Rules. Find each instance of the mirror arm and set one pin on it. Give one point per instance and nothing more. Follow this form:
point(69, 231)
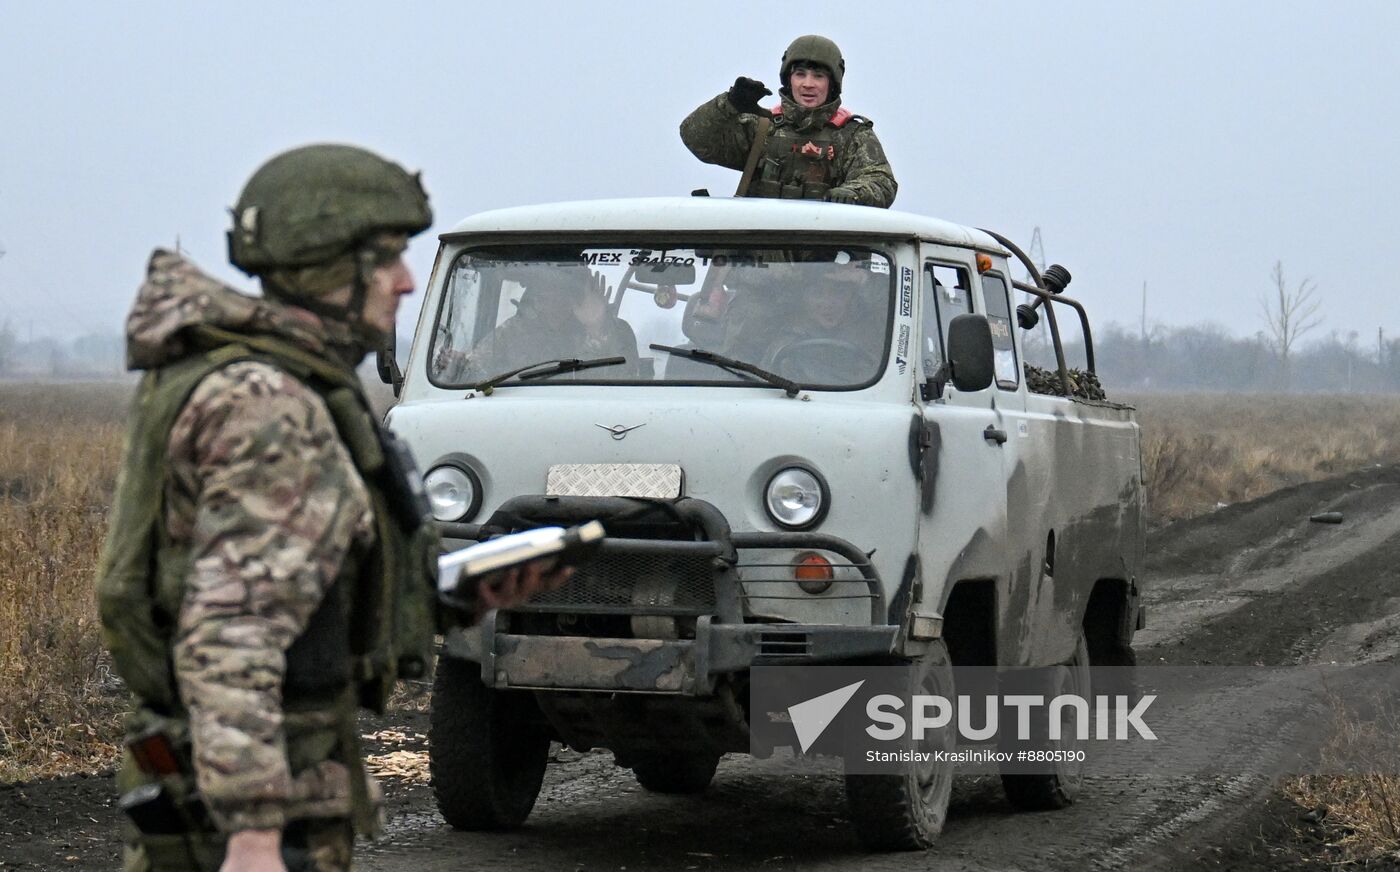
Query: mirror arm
point(934, 385)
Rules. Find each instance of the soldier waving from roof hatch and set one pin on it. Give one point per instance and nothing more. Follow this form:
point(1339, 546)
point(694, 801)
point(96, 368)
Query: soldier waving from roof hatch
point(807, 147)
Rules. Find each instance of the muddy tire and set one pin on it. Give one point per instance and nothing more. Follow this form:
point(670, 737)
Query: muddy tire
point(486, 751)
point(906, 812)
point(662, 773)
point(1043, 791)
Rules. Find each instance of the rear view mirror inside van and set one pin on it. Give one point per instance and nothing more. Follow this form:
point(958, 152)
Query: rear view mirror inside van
point(666, 273)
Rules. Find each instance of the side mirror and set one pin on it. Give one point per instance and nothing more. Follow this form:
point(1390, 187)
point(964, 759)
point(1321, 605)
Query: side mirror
point(387, 362)
point(970, 353)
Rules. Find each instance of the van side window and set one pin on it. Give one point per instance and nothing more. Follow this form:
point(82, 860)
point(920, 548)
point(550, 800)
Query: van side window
point(994, 294)
point(947, 294)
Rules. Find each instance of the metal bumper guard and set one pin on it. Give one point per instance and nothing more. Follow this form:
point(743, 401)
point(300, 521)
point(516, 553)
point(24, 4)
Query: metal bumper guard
point(686, 667)
point(723, 643)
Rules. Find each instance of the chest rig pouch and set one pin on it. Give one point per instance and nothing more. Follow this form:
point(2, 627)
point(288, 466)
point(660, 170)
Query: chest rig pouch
point(797, 165)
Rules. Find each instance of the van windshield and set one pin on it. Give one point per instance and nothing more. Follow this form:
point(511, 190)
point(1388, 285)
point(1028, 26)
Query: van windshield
point(815, 315)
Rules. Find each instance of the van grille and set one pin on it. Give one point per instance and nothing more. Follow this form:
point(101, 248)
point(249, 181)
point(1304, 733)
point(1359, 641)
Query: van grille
point(635, 584)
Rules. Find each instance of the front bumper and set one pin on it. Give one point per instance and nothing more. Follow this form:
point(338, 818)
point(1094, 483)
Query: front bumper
point(716, 578)
point(686, 667)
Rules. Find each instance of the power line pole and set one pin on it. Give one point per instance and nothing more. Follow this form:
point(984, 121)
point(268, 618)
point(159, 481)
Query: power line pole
point(1142, 335)
point(1036, 251)
point(1143, 329)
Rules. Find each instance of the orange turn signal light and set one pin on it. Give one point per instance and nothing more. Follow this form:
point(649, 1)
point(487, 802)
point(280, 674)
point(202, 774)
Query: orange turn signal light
point(813, 572)
point(984, 262)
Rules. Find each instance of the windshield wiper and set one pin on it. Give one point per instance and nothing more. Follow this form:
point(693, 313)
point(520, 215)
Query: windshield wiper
point(543, 368)
point(701, 354)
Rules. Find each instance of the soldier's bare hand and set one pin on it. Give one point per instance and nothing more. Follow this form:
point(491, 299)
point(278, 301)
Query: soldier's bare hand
point(254, 851)
point(504, 590)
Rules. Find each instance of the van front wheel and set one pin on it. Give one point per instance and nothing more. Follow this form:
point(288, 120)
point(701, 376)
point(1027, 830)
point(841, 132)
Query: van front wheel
point(906, 811)
point(486, 750)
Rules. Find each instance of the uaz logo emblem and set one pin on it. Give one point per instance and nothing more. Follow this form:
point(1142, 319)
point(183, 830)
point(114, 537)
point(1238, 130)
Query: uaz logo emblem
point(619, 431)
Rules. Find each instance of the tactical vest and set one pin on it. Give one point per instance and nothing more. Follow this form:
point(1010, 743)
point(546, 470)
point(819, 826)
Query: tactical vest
point(376, 622)
point(799, 165)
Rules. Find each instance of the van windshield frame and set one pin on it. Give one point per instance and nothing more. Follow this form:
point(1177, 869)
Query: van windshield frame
point(817, 311)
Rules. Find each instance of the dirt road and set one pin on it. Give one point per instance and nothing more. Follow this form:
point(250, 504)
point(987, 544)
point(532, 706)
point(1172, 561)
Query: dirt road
point(1251, 584)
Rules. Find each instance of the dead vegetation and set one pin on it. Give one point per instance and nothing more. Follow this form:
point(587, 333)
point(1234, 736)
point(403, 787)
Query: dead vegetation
point(59, 706)
point(1358, 811)
point(1202, 451)
point(59, 447)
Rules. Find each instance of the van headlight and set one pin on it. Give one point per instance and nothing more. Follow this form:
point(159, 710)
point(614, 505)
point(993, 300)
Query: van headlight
point(796, 497)
point(453, 492)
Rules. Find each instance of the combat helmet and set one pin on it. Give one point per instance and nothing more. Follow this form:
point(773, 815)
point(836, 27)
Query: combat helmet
point(315, 204)
point(818, 50)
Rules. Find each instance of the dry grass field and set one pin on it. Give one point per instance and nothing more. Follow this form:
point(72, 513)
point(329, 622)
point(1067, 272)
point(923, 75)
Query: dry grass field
point(1362, 808)
point(1202, 450)
point(59, 447)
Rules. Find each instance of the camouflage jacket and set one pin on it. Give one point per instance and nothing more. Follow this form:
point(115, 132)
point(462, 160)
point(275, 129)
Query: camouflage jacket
point(718, 133)
point(269, 504)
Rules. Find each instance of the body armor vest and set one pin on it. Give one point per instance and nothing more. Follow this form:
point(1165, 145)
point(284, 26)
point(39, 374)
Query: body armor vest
point(375, 623)
point(799, 165)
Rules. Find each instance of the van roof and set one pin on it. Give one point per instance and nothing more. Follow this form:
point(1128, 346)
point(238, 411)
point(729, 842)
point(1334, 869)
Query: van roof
point(701, 214)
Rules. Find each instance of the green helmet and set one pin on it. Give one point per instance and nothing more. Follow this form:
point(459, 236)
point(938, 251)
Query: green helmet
point(317, 203)
point(818, 50)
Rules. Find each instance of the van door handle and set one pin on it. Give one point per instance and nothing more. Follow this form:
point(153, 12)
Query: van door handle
point(995, 435)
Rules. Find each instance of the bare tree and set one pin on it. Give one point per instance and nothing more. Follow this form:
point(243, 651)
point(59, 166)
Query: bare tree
point(1288, 314)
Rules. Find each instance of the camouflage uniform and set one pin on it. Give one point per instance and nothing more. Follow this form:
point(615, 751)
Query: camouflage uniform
point(850, 154)
point(268, 563)
point(265, 497)
point(858, 332)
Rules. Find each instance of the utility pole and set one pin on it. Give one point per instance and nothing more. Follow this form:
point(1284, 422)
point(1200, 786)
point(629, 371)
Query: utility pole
point(1142, 331)
point(1142, 334)
point(1380, 347)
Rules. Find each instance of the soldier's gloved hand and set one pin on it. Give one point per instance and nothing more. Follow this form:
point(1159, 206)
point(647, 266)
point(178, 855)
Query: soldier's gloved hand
point(842, 195)
point(746, 93)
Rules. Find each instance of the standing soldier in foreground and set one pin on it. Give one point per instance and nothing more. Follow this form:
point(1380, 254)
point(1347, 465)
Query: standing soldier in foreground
point(268, 569)
point(807, 147)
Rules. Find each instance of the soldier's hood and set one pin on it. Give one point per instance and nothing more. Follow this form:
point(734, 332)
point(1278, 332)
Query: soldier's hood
point(804, 119)
point(177, 295)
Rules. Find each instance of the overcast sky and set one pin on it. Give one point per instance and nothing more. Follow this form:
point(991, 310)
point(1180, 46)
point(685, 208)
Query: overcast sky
point(1185, 144)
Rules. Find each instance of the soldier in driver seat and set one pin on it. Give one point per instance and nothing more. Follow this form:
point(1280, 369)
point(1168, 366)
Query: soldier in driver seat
point(835, 334)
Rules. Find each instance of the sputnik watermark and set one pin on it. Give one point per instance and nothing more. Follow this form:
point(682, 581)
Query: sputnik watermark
point(881, 719)
point(1109, 718)
point(937, 713)
point(873, 718)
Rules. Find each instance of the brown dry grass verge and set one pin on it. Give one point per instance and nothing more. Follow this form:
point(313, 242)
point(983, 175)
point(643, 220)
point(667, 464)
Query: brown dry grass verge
point(60, 444)
point(1359, 811)
point(59, 707)
point(1203, 450)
